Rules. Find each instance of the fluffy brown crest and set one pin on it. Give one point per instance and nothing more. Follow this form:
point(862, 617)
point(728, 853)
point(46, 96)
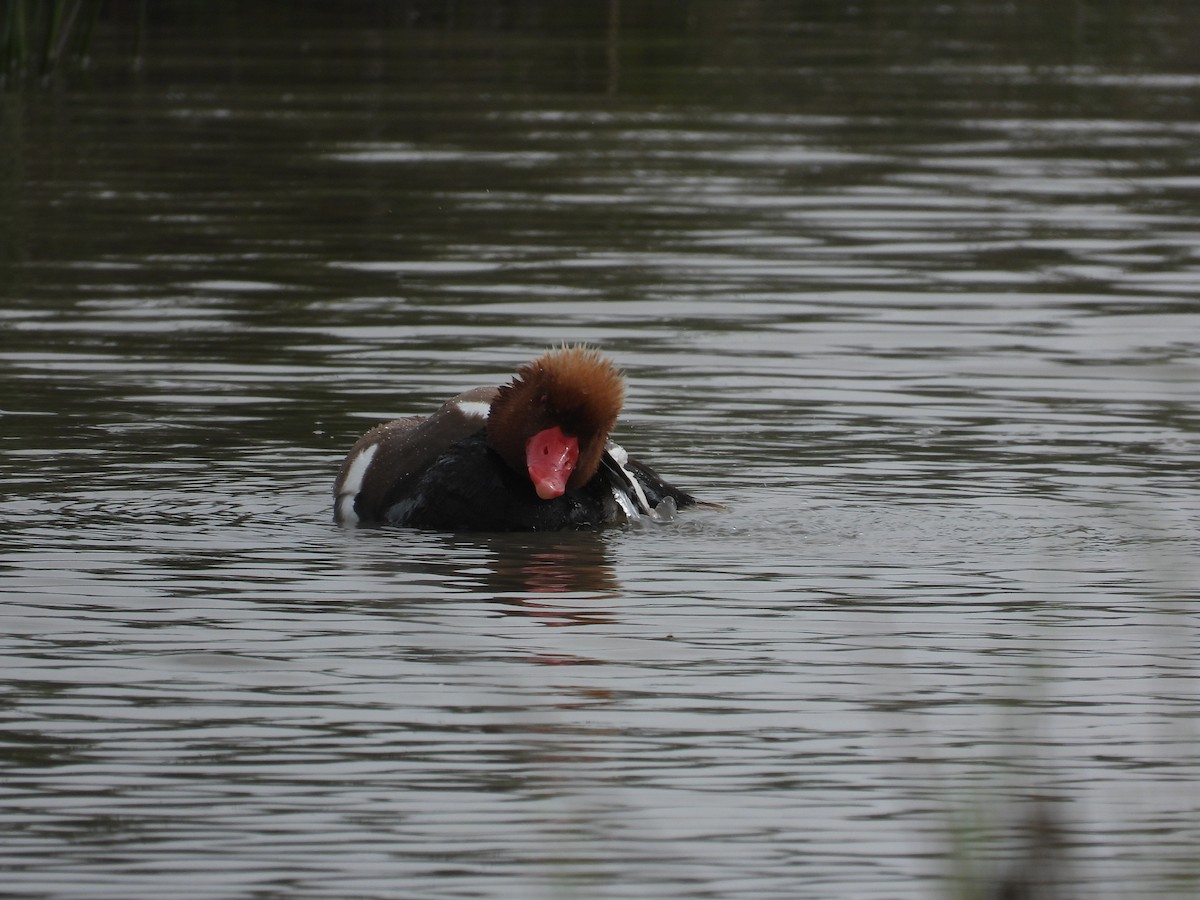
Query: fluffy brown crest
point(573, 387)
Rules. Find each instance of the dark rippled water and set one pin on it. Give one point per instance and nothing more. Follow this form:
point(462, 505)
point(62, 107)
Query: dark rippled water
point(914, 295)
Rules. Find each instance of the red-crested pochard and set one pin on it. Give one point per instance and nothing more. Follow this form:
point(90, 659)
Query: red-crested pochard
point(531, 455)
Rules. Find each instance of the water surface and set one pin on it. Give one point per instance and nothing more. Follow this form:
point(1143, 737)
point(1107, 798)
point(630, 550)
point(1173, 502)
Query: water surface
point(913, 295)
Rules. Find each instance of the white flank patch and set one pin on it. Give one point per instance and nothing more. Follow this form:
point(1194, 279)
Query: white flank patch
point(358, 469)
point(353, 483)
point(473, 409)
point(345, 510)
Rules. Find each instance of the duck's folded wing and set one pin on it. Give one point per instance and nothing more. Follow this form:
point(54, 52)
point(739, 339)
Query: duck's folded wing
point(636, 487)
point(386, 462)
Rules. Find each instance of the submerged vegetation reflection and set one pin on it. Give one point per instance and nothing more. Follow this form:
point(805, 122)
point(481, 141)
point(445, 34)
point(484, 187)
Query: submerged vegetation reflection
point(39, 38)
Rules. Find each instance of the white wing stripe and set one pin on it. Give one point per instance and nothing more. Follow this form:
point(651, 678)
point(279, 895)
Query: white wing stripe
point(618, 455)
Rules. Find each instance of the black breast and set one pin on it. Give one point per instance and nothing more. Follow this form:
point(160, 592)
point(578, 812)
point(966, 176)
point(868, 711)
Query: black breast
point(469, 488)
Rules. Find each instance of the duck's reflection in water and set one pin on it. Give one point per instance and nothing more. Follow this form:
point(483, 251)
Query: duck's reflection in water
point(564, 578)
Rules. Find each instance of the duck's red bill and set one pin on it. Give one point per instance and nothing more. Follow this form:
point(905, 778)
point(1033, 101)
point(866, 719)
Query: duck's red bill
point(550, 456)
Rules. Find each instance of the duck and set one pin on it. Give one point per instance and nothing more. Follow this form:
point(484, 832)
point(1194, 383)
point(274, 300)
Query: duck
point(535, 454)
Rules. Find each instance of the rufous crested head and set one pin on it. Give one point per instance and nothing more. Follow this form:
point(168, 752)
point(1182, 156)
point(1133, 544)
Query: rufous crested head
point(575, 390)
